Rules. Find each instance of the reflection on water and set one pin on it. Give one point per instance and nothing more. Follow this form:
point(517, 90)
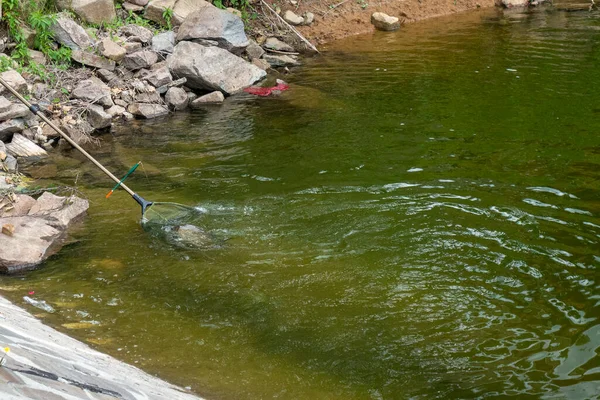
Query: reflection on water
point(417, 217)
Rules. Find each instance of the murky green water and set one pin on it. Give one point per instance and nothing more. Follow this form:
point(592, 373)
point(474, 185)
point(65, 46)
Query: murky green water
point(418, 217)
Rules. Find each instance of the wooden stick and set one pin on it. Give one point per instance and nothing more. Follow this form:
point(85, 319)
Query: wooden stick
point(291, 27)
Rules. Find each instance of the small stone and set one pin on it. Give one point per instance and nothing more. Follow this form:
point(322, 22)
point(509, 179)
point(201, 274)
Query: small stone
point(115, 110)
point(384, 22)
point(144, 110)
point(111, 50)
point(276, 44)
point(160, 77)
point(164, 42)
point(254, 51)
point(98, 118)
point(131, 47)
point(38, 57)
point(309, 18)
point(280, 60)
point(262, 64)
point(176, 98)
point(92, 60)
point(290, 17)
point(8, 229)
point(211, 98)
point(139, 59)
point(137, 33)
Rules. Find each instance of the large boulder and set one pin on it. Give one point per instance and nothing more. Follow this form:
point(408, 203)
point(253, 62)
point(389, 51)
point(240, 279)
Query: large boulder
point(35, 232)
point(93, 90)
point(212, 68)
point(68, 33)
point(211, 23)
point(384, 22)
point(92, 11)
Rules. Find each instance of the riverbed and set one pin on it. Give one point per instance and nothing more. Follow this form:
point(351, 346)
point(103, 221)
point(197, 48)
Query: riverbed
point(417, 217)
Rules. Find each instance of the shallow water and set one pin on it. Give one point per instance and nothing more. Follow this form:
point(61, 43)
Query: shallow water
point(417, 217)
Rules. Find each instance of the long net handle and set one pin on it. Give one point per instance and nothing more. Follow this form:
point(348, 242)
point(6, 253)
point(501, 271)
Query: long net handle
point(34, 109)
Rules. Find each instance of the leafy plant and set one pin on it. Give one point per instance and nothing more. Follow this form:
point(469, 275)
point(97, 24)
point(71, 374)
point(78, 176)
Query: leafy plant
point(168, 16)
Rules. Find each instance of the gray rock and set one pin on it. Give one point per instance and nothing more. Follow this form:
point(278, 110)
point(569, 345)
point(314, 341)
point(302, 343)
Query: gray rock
point(211, 98)
point(94, 11)
point(291, 18)
point(203, 67)
point(139, 2)
point(164, 43)
point(262, 64)
point(15, 80)
point(10, 162)
point(16, 207)
point(21, 147)
point(68, 33)
point(30, 244)
point(156, 8)
point(136, 33)
point(309, 18)
point(110, 78)
point(15, 111)
point(38, 57)
point(131, 47)
point(61, 211)
point(92, 60)
point(148, 111)
point(276, 44)
point(139, 59)
point(160, 77)
point(254, 51)
point(177, 83)
point(384, 22)
point(176, 99)
point(115, 110)
point(111, 50)
point(148, 97)
point(98, 118)
point(5, 105)
point(93, 90)
point(10, 127)
point(211, 23)
point(132, 7)
point(191, 96)
point(280, 60)
point(519, 3)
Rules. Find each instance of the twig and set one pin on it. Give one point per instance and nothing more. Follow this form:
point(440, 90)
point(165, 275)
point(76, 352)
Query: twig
point(291, 27)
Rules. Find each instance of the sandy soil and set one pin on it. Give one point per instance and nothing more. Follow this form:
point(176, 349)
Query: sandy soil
point(336, 19)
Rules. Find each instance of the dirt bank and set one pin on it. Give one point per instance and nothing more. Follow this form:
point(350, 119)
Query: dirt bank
point(336, 19)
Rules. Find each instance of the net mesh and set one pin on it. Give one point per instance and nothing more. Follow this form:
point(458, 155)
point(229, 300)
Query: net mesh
point(165, 213)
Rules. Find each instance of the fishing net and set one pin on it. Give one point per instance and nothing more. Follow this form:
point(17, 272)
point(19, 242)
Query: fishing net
point(166, 213)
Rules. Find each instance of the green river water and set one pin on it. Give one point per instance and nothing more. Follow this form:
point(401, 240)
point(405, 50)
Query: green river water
point(417, 217)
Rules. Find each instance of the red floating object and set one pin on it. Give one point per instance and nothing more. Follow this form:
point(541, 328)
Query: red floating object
point(267, 91)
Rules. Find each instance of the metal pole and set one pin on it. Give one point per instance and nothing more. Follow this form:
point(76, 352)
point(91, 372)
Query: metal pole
point(35, 109)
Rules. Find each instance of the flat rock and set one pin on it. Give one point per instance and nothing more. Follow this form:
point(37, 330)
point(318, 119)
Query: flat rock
point(22, 147)
point(97, 117)
point(92, 60)
point(384, 22)
point(15, 111)
point(212, 68)
point(148, 111)
point(156, 8)
point(31, 242)
point(141, 3)
point(93, 90)
point(280, 60)
point(111, 50)
point(131, 47)
point(16, 207)
point(211, 98)
point(15, 80)
point(115, 110)
point(275, 44)
point(139, 60)
point(515, 3)
point(176, 99)
point(94, 11)
point(211, 23)
point(60, 211)
point(68, 33)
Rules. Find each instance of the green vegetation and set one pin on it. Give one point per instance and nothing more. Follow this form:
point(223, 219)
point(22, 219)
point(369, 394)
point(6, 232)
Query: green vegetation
point(168, 15)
